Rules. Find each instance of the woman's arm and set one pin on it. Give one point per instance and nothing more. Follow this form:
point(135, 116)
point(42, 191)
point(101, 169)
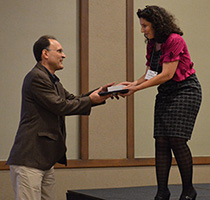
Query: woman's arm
point(167, 73)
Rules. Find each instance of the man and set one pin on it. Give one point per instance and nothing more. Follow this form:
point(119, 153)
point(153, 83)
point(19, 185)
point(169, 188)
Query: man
point(40, 139)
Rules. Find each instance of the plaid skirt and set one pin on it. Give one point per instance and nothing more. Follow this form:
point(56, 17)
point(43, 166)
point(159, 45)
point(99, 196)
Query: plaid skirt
point(176, 107)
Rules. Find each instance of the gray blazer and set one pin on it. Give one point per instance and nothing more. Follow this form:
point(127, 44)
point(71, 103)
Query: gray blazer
point(39, 141)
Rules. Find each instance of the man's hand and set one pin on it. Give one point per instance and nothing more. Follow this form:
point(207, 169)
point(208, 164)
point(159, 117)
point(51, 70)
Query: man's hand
point(104, 88)
point(96, 98)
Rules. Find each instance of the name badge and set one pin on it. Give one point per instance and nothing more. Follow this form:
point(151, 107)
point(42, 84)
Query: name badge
point(150, 74)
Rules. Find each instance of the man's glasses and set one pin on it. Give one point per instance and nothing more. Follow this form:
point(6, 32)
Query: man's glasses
point(58, 50)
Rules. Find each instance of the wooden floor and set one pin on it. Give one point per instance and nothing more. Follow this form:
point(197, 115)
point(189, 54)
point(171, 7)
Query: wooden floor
point(134, 193)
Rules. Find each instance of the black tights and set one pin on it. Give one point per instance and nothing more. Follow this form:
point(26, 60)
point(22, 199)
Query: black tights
point(163, 154)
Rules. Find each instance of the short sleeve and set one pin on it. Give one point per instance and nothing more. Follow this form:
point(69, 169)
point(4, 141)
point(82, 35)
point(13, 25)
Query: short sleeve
point(172, 49)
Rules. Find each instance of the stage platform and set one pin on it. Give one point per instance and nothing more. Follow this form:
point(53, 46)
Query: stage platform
point(134, 193)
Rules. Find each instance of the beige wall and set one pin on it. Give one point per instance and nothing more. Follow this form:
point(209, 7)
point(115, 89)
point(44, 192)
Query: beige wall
point(107, 54)
point(22, 22)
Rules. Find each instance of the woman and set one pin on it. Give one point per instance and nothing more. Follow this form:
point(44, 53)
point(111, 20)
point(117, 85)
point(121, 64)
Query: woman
point(178, 99)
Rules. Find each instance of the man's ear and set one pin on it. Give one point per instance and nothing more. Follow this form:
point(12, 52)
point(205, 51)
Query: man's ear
point(44, 54)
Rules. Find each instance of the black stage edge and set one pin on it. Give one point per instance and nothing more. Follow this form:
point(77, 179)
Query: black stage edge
point(71, 195)
point(134, 193)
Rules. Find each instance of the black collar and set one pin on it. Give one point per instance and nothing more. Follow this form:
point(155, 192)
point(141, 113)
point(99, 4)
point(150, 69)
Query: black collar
point(53, 77)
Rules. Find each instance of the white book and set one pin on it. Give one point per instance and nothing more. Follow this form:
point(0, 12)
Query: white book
point(115, 88)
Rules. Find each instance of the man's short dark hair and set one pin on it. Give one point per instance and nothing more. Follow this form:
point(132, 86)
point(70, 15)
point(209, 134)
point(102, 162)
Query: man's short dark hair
point(42, 43)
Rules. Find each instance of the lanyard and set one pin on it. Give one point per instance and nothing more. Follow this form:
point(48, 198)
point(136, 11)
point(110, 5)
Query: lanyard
point(152, 61)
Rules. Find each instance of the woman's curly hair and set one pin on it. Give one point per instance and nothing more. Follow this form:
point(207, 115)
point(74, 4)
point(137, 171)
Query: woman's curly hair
point(162, 22)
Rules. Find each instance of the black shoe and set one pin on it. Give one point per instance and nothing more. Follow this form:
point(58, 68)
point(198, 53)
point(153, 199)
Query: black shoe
point(164, 196)
point(191, 196)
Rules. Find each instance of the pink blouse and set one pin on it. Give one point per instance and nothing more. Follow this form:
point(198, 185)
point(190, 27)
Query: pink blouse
point(174, 49)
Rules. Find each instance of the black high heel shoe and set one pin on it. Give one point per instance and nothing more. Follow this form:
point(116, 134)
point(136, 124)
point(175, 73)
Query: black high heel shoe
point(165, 196)
point(191, 196)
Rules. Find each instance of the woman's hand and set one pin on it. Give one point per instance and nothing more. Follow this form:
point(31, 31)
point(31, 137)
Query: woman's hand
point(126, 83)
point(131, 90)
point(131, 86)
